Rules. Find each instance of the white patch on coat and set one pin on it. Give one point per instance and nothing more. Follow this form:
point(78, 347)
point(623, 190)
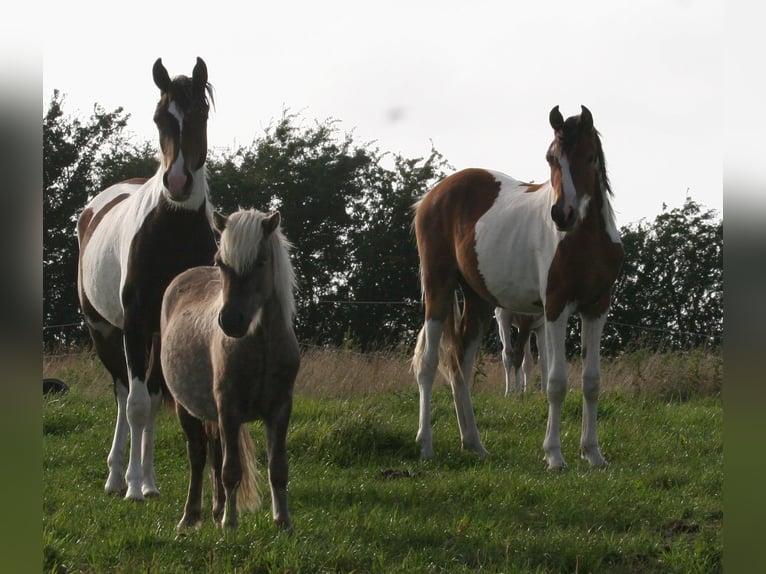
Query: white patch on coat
point(516, 240)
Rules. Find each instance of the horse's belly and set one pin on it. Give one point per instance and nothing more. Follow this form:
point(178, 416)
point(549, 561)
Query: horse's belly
point(190, 381)
point(101, 277)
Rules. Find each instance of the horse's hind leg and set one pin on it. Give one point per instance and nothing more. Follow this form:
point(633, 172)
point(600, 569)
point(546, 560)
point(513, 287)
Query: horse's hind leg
point(520, 355)
point(425, 362)
point(503, 319)
point(196, 452)
point(276, 435)
point(107, 341)
point(476, 311)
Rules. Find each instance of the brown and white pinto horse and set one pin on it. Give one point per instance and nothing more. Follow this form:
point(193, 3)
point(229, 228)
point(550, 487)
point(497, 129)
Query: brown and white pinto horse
point(134, 238)
point(517, 359)
point(551, 248)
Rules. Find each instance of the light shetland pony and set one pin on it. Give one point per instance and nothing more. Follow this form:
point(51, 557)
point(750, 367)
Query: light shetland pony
point(134, 238)
point(549, 248)
point(229, 355)
point(518, 361)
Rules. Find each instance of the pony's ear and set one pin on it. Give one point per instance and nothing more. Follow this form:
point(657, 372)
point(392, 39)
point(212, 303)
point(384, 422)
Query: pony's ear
point(220, 221)
point(271, 222)
point(199, 75)
point(161, 77)
point(586, 119)
point(556, 119)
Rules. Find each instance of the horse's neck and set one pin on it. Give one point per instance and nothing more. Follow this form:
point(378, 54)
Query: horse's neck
point(599, 217)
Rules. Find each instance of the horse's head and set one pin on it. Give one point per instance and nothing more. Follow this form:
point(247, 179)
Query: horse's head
point(576, 164)
point(181, 118)
point(248, 260)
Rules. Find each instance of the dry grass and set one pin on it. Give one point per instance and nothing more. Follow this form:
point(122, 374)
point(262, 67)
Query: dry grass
point(338, 373)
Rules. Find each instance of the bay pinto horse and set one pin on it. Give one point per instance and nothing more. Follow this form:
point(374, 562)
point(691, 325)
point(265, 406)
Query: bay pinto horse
point(134, 237)
point(549, 248)
point(229, 355)
point(518, 361)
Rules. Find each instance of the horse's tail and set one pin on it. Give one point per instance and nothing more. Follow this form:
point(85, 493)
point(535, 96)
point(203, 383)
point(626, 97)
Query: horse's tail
point(248, 495)
point(450, 345)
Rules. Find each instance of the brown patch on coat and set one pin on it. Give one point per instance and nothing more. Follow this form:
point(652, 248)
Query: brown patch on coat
point(532, 187)
point(584, 268)
point(445, 231)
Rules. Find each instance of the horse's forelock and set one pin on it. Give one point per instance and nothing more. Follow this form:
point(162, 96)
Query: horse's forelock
point(241, 240)
point(240, 244)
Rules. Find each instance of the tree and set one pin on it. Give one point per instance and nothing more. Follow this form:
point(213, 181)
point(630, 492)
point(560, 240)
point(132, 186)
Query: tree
point(347, 216)
point(671, 285)
point(383, 256)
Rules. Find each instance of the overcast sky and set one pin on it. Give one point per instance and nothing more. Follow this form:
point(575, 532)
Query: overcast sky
point(475, 79)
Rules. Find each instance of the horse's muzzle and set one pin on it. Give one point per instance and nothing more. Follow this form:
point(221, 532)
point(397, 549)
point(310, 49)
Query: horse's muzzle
point(564, 219)
point(179, 186)
point(232, 323)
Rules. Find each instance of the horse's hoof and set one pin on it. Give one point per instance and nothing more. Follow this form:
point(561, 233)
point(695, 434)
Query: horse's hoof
point(151, 492)
point(594, 458)
point(134, 494)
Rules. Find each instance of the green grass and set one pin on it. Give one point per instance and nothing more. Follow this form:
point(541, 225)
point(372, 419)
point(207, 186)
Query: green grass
point(361, 501)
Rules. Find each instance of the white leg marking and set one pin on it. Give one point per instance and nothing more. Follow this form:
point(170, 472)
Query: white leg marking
point(555, 333)
point(115, 483)
point(149, 487)
point(527, 366)
point(542, 346)
point(461, 394)
point(591, 383)
point(139, 408)
point(504, 331)
point(425, 363)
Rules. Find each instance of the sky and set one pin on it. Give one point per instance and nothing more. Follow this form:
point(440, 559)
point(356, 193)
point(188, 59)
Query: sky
point(475, 80)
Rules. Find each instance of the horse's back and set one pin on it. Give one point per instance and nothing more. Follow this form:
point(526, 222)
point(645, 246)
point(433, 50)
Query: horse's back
point(492, 229)
point(187, 324)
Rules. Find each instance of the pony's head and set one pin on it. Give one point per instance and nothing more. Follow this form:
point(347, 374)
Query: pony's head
point(181, 118)
point(255, 268)
point(578, 172)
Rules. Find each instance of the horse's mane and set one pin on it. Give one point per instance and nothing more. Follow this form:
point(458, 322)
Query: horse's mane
point(239, 250)
point(181, 90)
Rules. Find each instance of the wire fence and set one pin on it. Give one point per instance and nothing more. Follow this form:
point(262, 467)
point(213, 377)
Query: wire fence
point(695, 338)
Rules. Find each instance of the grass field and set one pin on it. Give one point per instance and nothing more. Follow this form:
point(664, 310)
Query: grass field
point(362, 501)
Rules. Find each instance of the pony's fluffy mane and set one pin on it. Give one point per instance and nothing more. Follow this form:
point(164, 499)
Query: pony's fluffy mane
point(239, 248)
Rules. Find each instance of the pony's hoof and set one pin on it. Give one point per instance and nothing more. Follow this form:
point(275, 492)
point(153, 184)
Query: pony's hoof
point(555, 462)
point(134, 494)
point(594, 458)
point(150, 492)
point(476, 447)
point(116, 486)
point(187, 524)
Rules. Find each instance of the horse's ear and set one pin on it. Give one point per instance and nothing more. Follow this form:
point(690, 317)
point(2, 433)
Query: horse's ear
point(199, 74)
point(219, 221)
point(161, 77)
point(556, 119)
point(271, 222)
point(586, 119)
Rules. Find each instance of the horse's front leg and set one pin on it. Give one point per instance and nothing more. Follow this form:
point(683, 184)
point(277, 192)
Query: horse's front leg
point(555, 335)
point(276, 437)
point(231, 471)
point(139, 404)
point(196, 450)
point(591, 384)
